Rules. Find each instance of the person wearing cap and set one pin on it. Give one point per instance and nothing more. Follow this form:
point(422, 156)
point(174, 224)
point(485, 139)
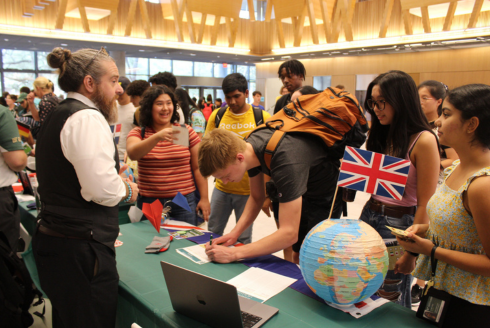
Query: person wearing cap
point(125, 110)
point(22, 104)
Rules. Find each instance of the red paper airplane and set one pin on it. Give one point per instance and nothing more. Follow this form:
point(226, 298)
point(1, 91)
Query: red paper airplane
point(153, 213)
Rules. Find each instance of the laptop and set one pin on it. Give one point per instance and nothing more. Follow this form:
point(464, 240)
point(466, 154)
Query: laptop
point(211, 301)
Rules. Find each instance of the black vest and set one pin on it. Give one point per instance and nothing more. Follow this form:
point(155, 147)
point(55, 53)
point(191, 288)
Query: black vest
point(63, 208)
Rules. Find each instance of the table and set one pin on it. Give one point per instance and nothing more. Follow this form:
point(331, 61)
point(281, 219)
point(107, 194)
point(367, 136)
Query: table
point(144, 299)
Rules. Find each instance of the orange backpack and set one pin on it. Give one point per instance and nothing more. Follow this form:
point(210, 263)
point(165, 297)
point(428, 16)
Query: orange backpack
point(333, 115)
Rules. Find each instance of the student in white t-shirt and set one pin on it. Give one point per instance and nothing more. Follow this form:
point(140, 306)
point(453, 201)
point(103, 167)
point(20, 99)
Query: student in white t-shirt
point(125, 109)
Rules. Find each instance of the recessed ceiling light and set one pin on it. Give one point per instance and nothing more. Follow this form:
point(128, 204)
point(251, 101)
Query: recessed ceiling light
point(64, 44)
point(193, 55)
point(141, 50)
point(168, 53)
point(6, 39)
point(217, 56)
point(29, 41)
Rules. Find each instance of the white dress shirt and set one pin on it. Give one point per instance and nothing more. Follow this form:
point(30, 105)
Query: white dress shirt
point(87, 143)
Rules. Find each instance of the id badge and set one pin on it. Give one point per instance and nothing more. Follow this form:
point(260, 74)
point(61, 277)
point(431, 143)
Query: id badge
point(433, 306)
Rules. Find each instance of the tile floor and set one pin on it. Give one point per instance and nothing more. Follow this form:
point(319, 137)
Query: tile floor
point(263, 226)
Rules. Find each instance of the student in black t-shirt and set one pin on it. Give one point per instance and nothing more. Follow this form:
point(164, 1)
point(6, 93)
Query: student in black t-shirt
point(304, 175)
point(292, 74)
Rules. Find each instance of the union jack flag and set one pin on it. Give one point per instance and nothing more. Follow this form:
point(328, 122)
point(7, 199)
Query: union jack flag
point(373, 173)
point(116, 132)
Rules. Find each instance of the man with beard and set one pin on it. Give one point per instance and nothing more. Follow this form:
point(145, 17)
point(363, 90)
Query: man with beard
point(80, 189)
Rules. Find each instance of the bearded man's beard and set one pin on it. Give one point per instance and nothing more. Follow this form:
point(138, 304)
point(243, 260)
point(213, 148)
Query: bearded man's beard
point(108, 107)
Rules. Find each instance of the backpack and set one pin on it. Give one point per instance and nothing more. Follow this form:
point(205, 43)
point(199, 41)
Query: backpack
point(333, 115)
point(258, 116)
point(17, 291)
point(207, 110)
point(192, 111)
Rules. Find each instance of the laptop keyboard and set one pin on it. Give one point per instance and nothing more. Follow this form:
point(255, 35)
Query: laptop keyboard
point(249, 320)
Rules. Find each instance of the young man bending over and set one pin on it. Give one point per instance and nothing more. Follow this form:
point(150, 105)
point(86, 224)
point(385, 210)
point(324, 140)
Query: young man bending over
point(304, 175)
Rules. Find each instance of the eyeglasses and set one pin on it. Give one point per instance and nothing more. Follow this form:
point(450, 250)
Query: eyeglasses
point(102, 50)
point(424, 99)
point(380, 104)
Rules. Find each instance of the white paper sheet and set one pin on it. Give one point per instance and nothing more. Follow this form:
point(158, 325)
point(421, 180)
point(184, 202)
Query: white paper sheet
point(25, 198)
point(135, 214)
point(182, 138)
point(196, 253)
point(259, 284)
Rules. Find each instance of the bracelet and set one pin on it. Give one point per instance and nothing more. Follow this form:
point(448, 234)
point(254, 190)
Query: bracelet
point(413, 254)
point(130, 192)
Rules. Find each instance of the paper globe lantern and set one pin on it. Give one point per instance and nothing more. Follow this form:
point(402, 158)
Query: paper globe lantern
point(343, 261)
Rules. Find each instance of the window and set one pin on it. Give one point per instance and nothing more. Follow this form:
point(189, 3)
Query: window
point(160, 65)
point(136, 68)
point(321, 82)
point(253, 73)
point(13, 81)
point(18, 59)
point(182, 68)
point(42, 62)
point(203, 69)
point(221, 71)
point(243, 70)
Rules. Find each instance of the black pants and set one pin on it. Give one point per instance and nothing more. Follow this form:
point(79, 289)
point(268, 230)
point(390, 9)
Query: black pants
point(462, 313)
point(80, 279)
point(9, 216)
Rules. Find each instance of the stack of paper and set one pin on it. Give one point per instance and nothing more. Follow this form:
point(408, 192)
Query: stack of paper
point(196, 253)
point(259, 284)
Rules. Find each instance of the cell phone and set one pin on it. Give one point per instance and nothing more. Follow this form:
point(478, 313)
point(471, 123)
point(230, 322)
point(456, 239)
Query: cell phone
point(400, 233)
point(199, 214)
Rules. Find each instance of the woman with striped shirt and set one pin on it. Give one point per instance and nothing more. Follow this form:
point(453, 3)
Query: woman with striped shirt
point(164, 168)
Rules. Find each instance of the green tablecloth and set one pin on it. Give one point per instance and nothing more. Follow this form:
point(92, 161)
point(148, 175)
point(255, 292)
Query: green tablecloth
point(144, 299)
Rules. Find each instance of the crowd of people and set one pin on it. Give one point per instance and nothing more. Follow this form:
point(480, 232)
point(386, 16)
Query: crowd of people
point(81, 171)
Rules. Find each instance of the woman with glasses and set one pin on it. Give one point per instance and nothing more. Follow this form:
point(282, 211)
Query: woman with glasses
point(400, 129)
point(458, 237)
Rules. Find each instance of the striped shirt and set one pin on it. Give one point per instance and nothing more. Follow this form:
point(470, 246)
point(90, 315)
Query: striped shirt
point(166, 169)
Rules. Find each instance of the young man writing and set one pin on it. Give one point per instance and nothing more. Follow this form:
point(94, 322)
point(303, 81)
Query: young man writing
point(239, 119)
point(304, 175)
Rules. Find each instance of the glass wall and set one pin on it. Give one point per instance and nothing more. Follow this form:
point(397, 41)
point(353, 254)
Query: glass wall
point(19, 68)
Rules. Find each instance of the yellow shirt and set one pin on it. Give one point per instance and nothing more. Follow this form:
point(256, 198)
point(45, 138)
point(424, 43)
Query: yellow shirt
point(240, 125)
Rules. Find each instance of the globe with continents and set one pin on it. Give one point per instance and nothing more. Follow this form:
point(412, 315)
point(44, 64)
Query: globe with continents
point(343, 261)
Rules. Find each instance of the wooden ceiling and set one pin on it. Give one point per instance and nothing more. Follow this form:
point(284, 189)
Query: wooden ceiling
point(288, 23)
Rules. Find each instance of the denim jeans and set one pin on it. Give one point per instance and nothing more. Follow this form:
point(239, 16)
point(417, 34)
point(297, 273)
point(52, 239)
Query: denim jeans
point(177, 212)
point(222, 204)
point(401, 283)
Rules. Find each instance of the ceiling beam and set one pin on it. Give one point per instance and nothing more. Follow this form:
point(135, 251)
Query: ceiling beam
point(475, 13)
point(177, 20)
point(201, 28)
point(60, 15)
point(231, 30)
point(347, 15)
point(386, 18)
point(268, 11)
point(83, 16)
point(450, 15)
point(112, 22)
point(407, 22)
point(327, 23)
point(425, 18)
point(190, 22)
point(280, 33)
point(298, 31)
point(251, 10)
point(311, 16)
point(145, 19)
point(130, 17)
point(215, 30)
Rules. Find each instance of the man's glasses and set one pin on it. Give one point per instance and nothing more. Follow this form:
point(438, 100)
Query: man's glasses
point(101, 51)
point(380, 104)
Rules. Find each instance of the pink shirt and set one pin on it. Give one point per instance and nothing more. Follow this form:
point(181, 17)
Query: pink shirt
point(410, 195)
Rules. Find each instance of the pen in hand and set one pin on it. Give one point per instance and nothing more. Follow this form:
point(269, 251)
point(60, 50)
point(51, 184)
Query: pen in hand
point(210, 240)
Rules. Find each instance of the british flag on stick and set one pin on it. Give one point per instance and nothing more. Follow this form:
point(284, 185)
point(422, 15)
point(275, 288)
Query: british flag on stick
point(373, 173)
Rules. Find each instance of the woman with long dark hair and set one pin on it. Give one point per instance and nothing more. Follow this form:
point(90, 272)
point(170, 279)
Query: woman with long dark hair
point(458, 236)
point(165, 168)
point(400, 129)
